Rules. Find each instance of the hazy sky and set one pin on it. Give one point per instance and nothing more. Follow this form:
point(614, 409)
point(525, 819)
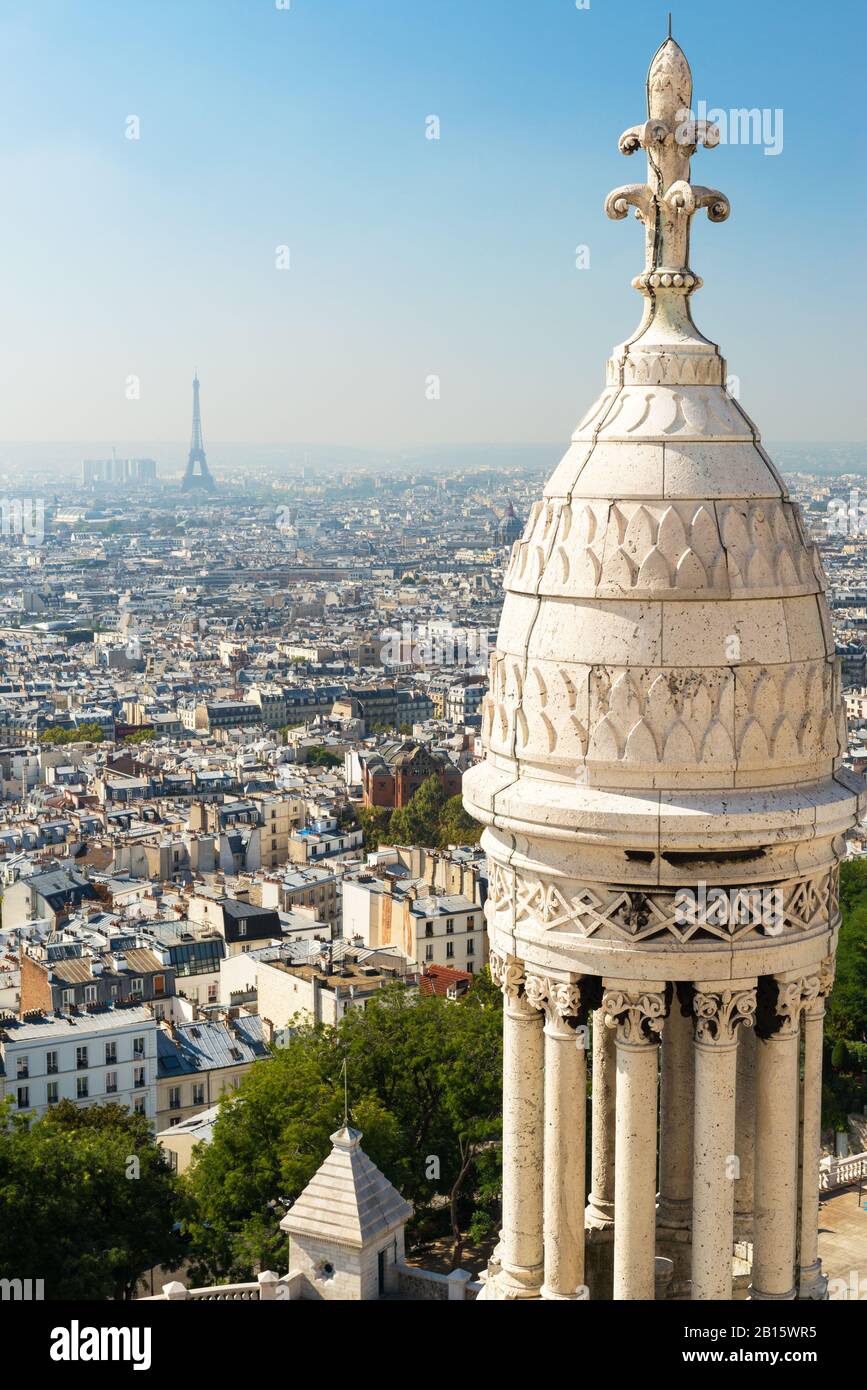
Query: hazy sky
point(305, 128)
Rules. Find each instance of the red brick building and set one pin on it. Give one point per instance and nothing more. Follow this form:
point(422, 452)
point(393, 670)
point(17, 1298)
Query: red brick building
point(394, 773)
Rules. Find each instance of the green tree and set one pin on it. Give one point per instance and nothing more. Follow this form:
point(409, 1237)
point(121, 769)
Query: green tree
point(457, 826)
point(374, 822)
point(417, 823)
point(323, 757)
point(141, 736)
point(89, 1202)
point(84, 733)
point(424, 1086)
point(846, 1021)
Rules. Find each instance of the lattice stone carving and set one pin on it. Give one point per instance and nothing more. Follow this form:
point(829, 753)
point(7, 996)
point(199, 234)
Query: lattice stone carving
point(794, 907)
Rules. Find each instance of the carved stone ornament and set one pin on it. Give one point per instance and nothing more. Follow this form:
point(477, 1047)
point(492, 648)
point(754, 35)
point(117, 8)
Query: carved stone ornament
point(717, 1015)
point(637, 1017)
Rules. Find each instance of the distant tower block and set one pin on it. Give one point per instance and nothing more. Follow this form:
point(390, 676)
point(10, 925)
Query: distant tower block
point(201, 481)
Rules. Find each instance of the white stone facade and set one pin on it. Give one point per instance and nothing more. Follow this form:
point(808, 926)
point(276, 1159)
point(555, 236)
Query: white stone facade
point(665, 807)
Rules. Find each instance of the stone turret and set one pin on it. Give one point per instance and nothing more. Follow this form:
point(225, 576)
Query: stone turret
point(347, 1227)
point(665, 806)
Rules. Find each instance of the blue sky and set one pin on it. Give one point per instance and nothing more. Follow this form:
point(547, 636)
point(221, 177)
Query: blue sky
point(408, 257)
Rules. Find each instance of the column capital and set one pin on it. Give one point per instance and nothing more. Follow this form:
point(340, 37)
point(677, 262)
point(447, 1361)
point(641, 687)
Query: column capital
point(820, 986)
point(782, 1001)
point(560, 1000)
point(510, 974)
point(717, 1014)
point(637, 1015)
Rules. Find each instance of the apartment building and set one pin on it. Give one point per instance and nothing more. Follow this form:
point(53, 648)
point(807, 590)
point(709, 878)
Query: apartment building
point(431, 928)
point(105, 1055)
point(199, 1062)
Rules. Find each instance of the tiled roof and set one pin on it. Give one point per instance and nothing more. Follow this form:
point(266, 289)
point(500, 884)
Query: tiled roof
point(348, 1200)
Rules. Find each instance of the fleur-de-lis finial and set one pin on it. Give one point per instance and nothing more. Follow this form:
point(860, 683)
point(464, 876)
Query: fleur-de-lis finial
point(667, 202)
point(667, 347)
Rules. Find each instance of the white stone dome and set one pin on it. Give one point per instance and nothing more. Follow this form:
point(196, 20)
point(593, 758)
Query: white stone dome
point(664, 694)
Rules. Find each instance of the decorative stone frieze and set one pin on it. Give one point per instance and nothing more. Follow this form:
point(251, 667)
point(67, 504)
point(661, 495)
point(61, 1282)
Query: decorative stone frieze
point(614, 913)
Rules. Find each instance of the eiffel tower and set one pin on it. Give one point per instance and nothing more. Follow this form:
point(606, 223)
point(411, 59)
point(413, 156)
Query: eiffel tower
point(201, 481)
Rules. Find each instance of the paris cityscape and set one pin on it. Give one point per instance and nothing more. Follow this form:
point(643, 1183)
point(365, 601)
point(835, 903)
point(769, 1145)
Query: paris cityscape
point(433, 850)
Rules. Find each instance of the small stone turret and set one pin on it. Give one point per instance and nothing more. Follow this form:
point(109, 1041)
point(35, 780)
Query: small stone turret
point(347, 1228)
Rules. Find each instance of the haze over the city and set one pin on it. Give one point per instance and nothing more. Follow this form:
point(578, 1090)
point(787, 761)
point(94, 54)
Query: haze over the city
point(409, 258)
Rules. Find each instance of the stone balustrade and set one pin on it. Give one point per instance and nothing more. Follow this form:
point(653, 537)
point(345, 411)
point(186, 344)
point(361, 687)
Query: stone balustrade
point(840, 1172)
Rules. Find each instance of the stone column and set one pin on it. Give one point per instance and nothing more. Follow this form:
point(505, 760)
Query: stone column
point(718, 1013)
point(520, 1251)
point(599, 1216)
point(812, 1283)
point(745, 1133)
point(565, 1125)
point(600, 1206)
point(776, 1171)
point(675, 1123)
point(637, 1013)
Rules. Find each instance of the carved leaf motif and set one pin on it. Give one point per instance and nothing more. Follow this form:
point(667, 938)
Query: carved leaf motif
point(704, 536)
point(660, 706)
point(780, 526)
point(618, 522)
point(679, 748)
point(654, 571)
point(569, 687)
point(765, 704)
point(503, 719)
point(671, 538)
point(783, 742)
point(700, 705)
point(787, 575)
point(585, 529)
point(753, 744)
point(587, 570)
point(717, 746)
point(758, 525)
point(759, 573)
point(621, 570)
point(605, 745)
point(829, 736)
point(535, 675)
point(690, 573)
point(580, 733)
point(623, 701)
point(635, 407)
point(694, 407)
point(735, 537)
point(596, 410)
point(639, 533)
point(640, 745)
